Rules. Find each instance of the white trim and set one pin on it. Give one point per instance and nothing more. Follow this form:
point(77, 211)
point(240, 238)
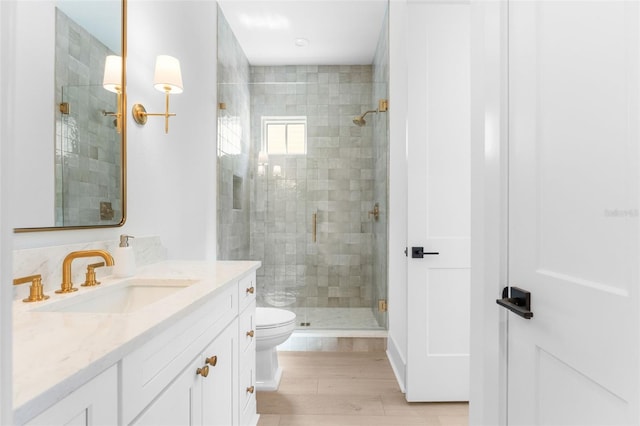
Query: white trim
point(398, 363)
point(489, 167)
point(7, 47)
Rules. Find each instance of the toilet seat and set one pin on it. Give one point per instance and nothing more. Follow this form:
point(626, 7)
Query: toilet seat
point(267, 318)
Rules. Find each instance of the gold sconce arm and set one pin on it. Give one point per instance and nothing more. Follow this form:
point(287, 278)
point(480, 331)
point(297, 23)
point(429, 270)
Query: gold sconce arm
point(117, 114)
point(140, 114)
point(36, 292)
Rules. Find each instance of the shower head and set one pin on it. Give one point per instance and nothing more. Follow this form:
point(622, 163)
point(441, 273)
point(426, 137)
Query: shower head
point(360, 121)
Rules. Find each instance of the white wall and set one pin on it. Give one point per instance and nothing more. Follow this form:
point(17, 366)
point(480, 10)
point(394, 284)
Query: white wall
point(35, 112)
point(397, 337)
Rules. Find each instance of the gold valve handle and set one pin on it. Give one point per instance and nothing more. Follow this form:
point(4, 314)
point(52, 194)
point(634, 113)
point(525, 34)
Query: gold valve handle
point(250, 333)
point(90, 279)
point(36, 291)
point(212, 361)
point(251, 290)
point(204, 371)
point(250, 389)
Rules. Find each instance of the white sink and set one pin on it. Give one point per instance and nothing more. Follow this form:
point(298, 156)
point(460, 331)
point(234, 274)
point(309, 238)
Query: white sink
point(122, 298)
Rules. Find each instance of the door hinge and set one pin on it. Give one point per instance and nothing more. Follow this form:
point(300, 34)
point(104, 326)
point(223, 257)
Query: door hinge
point(382, 305)
point(406, 251)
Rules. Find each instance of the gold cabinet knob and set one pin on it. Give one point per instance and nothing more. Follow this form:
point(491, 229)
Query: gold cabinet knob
point(250, 389)
point(251, 290)
point(204, 371)
point(250, 333)
point(212, 360)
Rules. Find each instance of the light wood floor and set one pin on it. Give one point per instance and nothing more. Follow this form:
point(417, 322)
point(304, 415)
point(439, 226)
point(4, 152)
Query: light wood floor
point(347, 389)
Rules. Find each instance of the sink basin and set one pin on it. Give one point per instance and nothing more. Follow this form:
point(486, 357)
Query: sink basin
point(122, 298)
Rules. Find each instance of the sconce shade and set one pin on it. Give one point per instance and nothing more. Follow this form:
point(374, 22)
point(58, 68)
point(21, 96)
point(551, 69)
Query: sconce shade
point(168, 77)
point(112, 80)
point(277, 171)
point(263, 158)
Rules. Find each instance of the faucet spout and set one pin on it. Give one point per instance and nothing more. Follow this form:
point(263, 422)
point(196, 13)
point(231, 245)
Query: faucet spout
point(67, 285)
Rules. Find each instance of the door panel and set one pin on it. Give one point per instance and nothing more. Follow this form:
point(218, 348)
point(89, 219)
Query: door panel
point(573, 211)
point(439, 196)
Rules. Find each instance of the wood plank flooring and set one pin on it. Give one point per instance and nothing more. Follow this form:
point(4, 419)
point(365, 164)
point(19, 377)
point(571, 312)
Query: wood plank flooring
point(347, 389)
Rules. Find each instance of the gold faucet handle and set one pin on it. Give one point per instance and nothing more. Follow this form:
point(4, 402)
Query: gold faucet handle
point(36, 292)
point(90, 280)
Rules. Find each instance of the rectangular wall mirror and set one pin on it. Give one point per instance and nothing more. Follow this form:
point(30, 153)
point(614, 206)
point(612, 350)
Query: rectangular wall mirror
point(71, 133)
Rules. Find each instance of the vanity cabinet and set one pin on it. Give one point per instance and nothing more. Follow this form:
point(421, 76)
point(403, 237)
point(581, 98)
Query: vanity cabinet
point(192, 398)
point(94, 403)
point(199, 372)
point(197, 367)
point(247, 350)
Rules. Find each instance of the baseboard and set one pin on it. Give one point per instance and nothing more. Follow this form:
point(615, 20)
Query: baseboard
point(398, 364)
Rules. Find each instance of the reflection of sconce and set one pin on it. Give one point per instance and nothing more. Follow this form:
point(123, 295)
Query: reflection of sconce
point(167, 79)
point(112, 82)
point(263, 160)
point(277, 171)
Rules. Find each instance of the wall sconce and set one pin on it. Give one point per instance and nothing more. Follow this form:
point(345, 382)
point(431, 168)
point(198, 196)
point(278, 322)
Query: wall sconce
point(167, 79)
point(112, 81)
point(260, 169)
point(263, 161)
point(277, 171)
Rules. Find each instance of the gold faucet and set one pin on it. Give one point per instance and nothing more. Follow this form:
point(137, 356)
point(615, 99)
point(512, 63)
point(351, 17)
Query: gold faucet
point(36, 293)
point(67, 285)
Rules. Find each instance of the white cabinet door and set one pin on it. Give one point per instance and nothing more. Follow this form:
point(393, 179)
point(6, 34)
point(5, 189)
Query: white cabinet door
point(219, 406)
point(95, 403)
point(180, 403)
point(439, 198)
point(574, 122)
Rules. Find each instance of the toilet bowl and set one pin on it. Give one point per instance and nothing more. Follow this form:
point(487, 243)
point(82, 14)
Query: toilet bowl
point(273, 327)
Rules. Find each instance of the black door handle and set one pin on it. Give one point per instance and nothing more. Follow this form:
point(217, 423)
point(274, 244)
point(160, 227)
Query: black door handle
point(519, 303)
point(419, 253)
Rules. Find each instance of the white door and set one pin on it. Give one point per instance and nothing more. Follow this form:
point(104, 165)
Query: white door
point(438, 207)
point(573, 212)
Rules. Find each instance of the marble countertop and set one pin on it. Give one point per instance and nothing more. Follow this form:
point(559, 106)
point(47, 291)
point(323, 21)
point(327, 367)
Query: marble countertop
point(56, 352)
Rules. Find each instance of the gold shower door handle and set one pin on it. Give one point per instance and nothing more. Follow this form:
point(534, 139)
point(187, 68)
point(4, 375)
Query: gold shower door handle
point(314, 226)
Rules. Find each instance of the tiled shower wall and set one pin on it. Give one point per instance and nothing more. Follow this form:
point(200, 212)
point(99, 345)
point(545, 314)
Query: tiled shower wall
point(234, 149)
point(88, 160)
point(335, 180)
point(381, 173)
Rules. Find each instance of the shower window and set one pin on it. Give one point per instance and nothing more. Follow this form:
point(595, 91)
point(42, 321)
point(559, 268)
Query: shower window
point(284, 135)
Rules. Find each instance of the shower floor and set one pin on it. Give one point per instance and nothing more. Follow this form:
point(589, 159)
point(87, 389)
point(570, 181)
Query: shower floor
point(336, 319)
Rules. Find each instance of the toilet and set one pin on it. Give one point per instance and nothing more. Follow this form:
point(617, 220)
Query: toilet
point(273, 327)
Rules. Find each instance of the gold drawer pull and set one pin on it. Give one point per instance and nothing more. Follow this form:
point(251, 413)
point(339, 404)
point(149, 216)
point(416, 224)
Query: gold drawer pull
point(204, 371)
point(212, 361)
point(250, 389)
point(251, 290)
point(250, 333)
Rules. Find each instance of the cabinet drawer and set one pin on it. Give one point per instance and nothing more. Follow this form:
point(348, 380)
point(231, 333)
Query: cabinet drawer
point(247, 289)
point(247, 328)
point(247, 391)
point(149, 369)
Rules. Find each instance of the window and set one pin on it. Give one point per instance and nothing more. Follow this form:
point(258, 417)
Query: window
point(284, 135)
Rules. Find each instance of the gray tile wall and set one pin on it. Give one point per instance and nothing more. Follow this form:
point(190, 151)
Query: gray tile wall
point(234, 148)
point(88, 167)
point(335, 179)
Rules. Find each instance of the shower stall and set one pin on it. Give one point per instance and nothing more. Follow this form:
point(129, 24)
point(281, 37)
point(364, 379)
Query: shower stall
point(303, 183)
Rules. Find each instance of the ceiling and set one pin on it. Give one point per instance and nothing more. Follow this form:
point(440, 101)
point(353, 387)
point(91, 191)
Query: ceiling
point(338, 32)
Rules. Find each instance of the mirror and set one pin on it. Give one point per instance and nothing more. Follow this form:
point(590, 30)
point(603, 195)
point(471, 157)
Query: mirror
point(81, 182)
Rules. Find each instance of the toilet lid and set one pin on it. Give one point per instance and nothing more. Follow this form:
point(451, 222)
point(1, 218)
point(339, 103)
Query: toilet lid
point(273, 317)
